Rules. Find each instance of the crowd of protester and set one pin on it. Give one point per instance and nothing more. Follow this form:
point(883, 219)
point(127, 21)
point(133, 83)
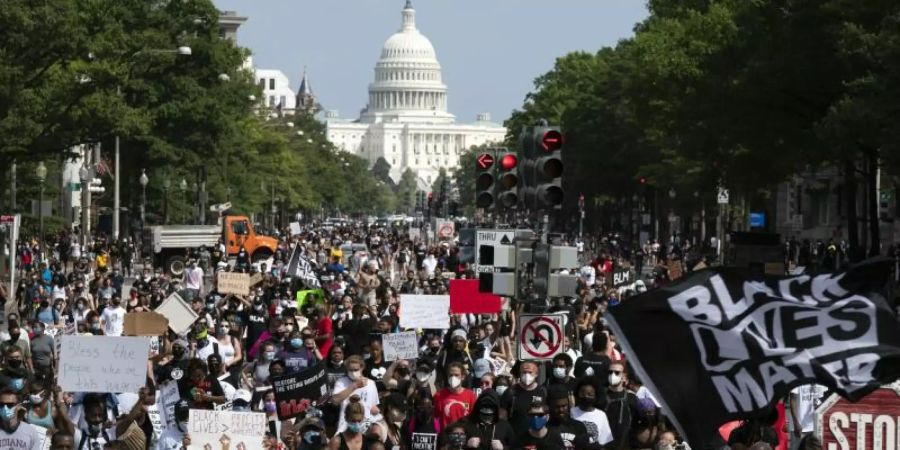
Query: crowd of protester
point(467, 386)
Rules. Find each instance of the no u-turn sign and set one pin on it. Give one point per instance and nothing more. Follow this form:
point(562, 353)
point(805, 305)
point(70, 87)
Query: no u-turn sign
point(541, 337)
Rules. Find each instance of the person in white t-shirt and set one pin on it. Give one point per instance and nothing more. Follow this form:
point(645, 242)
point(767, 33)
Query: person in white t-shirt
point(588, 274)
point(113, 318)
point(15, 434)
point(430, 264)
point(594, 419)
point(804, 401)
point(356, 385)
point(193, 279)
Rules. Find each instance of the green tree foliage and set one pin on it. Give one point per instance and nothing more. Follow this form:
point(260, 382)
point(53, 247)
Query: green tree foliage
point(406, 192)
point(742, 92)
point(85, 71)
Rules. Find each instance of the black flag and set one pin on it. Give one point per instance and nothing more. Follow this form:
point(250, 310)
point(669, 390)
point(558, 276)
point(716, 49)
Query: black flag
point(301, 267)
point(719, 346)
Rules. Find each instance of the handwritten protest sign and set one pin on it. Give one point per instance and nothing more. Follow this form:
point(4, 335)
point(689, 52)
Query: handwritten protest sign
point(226, 429)
point(425, 311)
point(290, 390)
point(233, 283)
point(103, 363)
point(424, 441)
point(400, 346)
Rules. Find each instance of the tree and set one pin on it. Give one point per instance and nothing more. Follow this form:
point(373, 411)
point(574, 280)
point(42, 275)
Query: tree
point(382, 171)
point(406, 191)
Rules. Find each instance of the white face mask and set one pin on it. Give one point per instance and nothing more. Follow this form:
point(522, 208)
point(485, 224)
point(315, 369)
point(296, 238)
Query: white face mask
point(559, 372)
point(614, 379)
point(500, 389)
point(526, 379)
point(455, 382)
point(354, 375)
point(422, 376)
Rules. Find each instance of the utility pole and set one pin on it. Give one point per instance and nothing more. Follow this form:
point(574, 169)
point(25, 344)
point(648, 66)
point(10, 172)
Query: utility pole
point(116, 174)
point(12, 187)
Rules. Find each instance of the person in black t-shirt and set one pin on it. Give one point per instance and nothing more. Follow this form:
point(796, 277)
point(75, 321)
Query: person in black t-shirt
point(517, 400)
point(538, 437)
point(573, 433)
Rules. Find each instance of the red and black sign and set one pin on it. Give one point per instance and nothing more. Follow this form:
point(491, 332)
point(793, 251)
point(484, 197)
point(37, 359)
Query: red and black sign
point(872, 423)
point(295, 392)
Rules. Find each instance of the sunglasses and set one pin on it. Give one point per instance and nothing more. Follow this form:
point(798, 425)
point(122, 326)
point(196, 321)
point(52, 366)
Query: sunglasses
point(9, 405)
point(617, 372)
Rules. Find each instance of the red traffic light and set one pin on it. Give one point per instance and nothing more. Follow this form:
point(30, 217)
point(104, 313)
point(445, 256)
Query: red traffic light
point(552, 140)
point(642, 180)
point(485, 161)
point(509, 161)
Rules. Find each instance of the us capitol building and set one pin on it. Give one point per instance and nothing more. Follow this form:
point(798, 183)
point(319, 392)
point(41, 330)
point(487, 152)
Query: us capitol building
point(406, 121)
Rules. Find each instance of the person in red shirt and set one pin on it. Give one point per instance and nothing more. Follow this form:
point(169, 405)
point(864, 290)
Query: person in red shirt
point(324, 329)
point(453, 402)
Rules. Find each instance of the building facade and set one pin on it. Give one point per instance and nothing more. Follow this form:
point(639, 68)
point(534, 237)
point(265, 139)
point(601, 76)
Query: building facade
point(406, 120)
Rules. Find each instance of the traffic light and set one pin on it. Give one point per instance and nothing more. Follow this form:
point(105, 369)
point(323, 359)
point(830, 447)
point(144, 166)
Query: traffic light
point(484, 181)
point(507, 181)
point(542, 169)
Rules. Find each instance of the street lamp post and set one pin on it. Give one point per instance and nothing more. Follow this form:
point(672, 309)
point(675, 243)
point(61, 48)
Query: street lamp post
point(85, 176)
point(182, 51)
point(41, 172)
point(143, 180)
point(167, 184)
point(183, 185)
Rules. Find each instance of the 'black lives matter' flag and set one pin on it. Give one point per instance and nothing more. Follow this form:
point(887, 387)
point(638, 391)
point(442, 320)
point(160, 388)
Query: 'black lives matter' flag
point(302, 268)
point(718, 346)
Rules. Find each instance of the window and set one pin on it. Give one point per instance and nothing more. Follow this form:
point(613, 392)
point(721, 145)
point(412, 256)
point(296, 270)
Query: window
point(262, 83)
point(394, 161)
point(271, 100)
point(271, 84)
point(240, 227)
point(283, 103)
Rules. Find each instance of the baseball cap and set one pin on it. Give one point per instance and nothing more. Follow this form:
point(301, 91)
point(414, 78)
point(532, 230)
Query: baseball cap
point(481, 367)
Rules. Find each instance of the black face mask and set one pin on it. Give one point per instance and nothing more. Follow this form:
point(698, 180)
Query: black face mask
point(14, 363)
point(586, 402)
point(178, 353)
point(485, 417)
point(13, 337)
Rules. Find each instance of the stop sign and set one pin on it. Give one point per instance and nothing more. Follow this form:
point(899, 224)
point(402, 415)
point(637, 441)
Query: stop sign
point(873, 423)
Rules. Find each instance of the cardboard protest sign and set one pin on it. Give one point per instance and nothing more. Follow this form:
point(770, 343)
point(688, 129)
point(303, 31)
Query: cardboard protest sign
point(290, 390)
point(424, 441)
point(403, 345)
point(466, 299)
point(425, 311)
point(103, 363)
point(178, 312)
point(620, 277)
point(233, 283)
point(226, 429)
point(147, 323)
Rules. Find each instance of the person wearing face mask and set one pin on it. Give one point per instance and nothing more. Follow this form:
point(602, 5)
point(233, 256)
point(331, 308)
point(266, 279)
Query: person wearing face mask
point(311, 433)
point(297, 354)
point(574, 434)
point(13, 373)
point(19, 339)
point(538, 437)
point(95, 416)
point(355, 385)
point(388, 429)
point(113, 318)
point(256, 374)
point(175, 366)
point(44, 406)
point(43, 351)
point(421, 419)
point(453, 402)
point(587, 412)
point(11, 428)
point(559, 370)
point(229, 347)
point(621, 410)
point(351, 436)
point(176, 437)
point(456, 353)
point(517, 400)
point(217, 371)
point(200, 388)
point(484, 427)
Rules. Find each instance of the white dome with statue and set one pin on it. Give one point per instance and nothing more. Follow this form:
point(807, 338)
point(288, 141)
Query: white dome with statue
point(408, 85)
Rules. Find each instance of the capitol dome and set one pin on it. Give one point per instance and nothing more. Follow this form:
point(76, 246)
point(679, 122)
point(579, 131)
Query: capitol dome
point(408, 85)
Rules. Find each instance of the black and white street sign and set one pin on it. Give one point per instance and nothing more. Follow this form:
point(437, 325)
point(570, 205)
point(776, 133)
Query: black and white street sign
point(486, 241)
point(723, 196)
point(541, 337)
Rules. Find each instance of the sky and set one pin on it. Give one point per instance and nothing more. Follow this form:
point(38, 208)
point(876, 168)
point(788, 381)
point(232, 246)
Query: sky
point(490, 50)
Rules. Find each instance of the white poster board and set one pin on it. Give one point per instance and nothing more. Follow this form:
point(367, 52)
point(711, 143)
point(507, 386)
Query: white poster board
point(403, 345)
point(179, 313)
point(226, 429)
point(295, 228)
point(103, 363)
point(425, 311)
